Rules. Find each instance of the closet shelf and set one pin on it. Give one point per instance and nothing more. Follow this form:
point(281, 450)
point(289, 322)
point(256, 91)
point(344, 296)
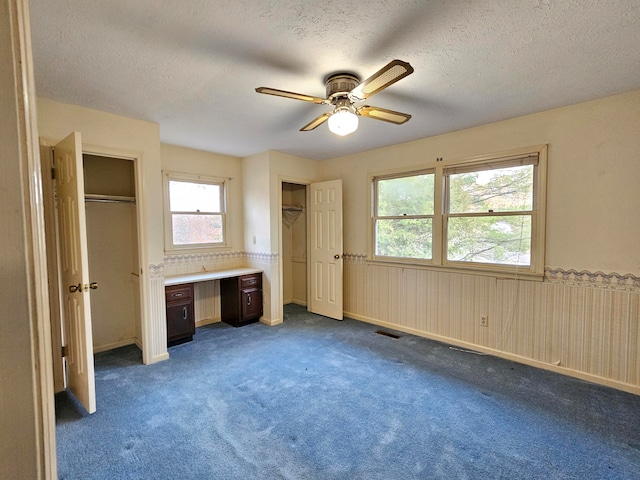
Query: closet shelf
point(292, 208)
point(92, 197)
point(290, 213)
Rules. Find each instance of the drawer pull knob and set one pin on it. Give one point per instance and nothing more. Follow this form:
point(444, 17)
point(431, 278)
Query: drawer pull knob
point(177, 294)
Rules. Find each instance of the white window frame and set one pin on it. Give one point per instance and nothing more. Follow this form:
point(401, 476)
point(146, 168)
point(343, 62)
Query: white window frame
point(376, 217)
point(168, 214)
point(534, 271)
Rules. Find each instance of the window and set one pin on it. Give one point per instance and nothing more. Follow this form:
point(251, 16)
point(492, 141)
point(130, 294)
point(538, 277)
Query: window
point(404, 216)
point(195, 211)
point(475, 214)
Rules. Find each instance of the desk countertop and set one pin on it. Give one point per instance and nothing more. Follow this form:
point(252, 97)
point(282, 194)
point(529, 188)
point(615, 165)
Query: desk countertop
point(204, 276)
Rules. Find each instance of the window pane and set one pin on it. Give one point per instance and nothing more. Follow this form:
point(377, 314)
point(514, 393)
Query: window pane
point(196, 229)
point(503, 240)
point(406, 196)
point(410, 238)
point(193, 197)
point(500, 190)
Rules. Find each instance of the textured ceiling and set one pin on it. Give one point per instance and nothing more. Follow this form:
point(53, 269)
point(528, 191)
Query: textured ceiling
point(192, 65)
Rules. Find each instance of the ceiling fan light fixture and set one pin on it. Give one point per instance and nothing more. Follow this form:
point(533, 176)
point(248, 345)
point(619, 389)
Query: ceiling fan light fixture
point(343, 122)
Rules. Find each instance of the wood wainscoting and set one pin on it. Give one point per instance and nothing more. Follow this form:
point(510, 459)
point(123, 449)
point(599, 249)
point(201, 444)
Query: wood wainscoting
point(583, 331)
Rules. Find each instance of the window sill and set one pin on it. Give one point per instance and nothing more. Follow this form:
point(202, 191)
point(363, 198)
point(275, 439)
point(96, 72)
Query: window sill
point(197, 250)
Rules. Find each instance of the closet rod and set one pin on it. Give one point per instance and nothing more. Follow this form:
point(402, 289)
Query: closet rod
point(89, 197)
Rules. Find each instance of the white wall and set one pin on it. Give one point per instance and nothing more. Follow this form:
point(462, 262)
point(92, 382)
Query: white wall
point(584, 319)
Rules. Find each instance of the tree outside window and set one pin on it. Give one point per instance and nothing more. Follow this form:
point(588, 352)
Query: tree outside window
point(488, 216)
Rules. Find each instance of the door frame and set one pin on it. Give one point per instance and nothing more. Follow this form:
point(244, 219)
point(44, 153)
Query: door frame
point(297, 181)
point(46, 146)
point(141, 234)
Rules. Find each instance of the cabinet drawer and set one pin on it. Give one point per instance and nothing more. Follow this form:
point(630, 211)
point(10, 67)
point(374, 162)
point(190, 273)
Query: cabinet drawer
point(248, 281)
point(178, 293)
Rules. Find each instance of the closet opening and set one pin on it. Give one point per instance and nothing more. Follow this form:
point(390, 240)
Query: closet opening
point(294, 243)
point(112, 241)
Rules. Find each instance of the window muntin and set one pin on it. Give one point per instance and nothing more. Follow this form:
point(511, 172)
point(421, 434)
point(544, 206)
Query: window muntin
point(196, 213)
point(488, 215)
point(403, 219)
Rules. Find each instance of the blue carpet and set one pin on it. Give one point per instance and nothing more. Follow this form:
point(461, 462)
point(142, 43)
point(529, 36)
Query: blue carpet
point(314, 398)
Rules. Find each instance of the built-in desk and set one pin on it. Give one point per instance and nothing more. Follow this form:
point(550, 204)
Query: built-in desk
point(204, 276)
point(240, 300)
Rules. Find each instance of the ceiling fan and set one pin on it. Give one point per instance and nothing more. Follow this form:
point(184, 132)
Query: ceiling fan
point(344, 91)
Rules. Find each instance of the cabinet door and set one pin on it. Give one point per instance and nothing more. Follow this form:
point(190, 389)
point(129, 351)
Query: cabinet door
point(180, 321)
point(251, 299)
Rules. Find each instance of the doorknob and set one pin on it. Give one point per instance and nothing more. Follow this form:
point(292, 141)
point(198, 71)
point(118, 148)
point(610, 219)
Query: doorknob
point(336, 257)
point(75, 288)
point(93, 285)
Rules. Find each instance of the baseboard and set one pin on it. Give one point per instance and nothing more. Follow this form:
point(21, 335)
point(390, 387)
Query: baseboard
point(271, 323)
point(302, 303)
point(111, 346)
point(207, 321)
point(498, 353)
point(158, 358)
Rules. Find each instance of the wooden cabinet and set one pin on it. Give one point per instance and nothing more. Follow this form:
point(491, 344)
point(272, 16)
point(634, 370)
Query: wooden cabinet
point(180, 314)
point(241, 299)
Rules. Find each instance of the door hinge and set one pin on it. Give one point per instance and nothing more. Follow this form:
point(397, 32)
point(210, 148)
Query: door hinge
point(53, 173)
point(64, 351)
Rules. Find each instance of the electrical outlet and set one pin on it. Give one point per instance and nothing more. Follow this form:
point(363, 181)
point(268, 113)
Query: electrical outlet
point(484, 321)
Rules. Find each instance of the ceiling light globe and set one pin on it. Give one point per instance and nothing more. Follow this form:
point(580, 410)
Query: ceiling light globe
point(343, 122)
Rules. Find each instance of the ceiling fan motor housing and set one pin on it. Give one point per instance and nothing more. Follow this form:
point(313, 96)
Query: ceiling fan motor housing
point(341, 84)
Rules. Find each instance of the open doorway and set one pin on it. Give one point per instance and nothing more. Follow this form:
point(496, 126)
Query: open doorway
point(112, 244)
point(294, 243)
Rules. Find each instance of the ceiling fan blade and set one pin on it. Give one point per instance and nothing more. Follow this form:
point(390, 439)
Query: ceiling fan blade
point(387, 75)
point(316, 122)
point(383, 114)
point(295, 96)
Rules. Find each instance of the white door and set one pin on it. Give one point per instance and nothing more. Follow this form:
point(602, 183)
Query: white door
point(74, 267)
point(326, 249)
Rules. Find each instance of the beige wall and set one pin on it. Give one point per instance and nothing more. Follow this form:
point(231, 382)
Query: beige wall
point(257, 213)
point(111, 248)
point(594, 167)
point(197, 162)
point(262, 179)
point(583, 323)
